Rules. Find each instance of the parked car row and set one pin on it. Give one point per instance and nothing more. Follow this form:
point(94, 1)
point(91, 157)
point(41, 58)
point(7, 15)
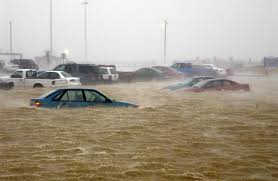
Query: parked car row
point(150, 74)
point(31, 78)
point(63, 75)
point(73, 74)
point(90, 73)
point(176, 71)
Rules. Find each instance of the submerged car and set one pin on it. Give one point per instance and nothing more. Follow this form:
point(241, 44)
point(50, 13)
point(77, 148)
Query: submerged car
point(6, 85)
point(76, 97)
point(169, 72)
point(218, 85)
point(188, 82)
point(148, 74)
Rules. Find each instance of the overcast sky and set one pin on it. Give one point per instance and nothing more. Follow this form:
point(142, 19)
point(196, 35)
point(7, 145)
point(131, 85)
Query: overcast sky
point(130, 30)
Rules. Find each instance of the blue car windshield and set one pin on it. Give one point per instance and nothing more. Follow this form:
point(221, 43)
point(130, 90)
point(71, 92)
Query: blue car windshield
point(47, 94)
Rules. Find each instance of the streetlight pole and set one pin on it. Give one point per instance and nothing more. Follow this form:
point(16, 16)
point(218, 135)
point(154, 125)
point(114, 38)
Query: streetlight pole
point(50, 26)
point(165, 40)
point(85, 3)
point(11, 41)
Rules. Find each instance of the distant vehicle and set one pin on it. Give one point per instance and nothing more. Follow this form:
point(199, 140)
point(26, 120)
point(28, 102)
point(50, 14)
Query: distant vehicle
point(218, 85)
point(8, 67)
point(270, 62)
point(74, 98)
point(169, 72)
point(148, 74)
point(188, 82)
point(30, 78)
point(194, 70)
point(90, 73)
point(6, 85)
point(220, 70)
point(108, 73)
point(25, 63)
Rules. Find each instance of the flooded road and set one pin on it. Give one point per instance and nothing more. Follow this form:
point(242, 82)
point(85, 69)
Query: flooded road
point(173, 136)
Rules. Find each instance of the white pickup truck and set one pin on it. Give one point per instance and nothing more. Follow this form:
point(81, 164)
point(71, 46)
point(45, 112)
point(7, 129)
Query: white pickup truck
point(31, 78)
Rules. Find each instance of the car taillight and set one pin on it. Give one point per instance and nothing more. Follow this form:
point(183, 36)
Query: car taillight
point(36, 104)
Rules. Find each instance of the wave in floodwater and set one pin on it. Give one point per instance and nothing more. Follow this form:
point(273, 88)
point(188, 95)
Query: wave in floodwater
point(173, 136)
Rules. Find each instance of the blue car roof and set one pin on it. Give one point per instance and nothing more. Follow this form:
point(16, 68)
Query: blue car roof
point(63, 89)
point(76, 88)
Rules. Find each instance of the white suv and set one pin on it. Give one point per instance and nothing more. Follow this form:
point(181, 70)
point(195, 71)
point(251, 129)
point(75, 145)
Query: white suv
point(108, 73)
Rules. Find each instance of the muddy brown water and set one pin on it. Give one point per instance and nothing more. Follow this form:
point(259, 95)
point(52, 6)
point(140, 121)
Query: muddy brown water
point(173, 136)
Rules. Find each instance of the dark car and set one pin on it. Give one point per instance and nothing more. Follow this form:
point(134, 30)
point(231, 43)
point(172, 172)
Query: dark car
point(148, 74)
point(6, 85)
point(218, 85)
point(25, 63)
point(188, 82)
point(87, 73)
point(76, 98)
point(90, 73)
point(169, 73)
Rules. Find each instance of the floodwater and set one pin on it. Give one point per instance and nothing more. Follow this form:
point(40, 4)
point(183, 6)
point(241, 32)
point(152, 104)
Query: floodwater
point(172, 136)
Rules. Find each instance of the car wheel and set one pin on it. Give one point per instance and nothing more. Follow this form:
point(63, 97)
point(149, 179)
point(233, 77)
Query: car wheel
point(37, 86)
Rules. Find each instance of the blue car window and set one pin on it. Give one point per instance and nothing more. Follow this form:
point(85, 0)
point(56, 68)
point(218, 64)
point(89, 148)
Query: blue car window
point(59, 96)
point(46, 95)
point(65, 97)
point(73, 95)
point(92, 96)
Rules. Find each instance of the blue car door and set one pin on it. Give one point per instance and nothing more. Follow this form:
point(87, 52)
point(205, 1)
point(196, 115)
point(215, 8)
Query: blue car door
point(73, 98)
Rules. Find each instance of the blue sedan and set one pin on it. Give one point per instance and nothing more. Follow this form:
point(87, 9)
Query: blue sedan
point(188, 82)
point(74, 98)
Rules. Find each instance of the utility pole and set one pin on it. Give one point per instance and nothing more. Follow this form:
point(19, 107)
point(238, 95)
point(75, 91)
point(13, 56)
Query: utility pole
point(50, 26)
point(11, 41)
point(85, 3)
point(165, 40)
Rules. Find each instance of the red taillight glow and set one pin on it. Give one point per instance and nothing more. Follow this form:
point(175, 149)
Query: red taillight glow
point(38, 104)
